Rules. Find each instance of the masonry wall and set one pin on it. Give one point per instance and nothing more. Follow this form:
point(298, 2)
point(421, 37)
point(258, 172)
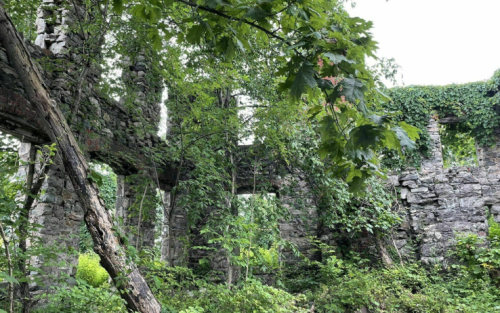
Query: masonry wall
point(440, 204)
point(107, 130)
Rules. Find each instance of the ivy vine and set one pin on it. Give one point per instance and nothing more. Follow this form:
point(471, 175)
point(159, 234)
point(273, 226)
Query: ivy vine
point(474, 105)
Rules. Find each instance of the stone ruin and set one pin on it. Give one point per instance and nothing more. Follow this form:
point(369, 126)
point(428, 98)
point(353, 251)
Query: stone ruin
point(439, 204)
point(435, 203)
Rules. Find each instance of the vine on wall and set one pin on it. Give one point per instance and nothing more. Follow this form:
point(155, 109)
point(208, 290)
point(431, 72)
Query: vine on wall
point(474, 104)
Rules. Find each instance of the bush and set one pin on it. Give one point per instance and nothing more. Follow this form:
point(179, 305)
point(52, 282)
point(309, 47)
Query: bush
point(251, 296)
point(180, 291)
point(406, 289)
point(82, 298)
point(90, 270)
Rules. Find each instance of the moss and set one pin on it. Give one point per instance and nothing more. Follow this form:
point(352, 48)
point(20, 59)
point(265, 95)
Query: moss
point(90, 270)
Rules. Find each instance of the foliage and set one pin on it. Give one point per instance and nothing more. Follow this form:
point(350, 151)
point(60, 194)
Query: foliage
point(90, 271)
point(459, 147)
point(103, 174)
point(23, 14)
point(313, 53)
point(335, 285)
point(494, 232)
point(472, 103)
point(179, 290)
point(82, 298)
point(371, 211)
point(476, 257)
point(106, 181)
point(405, 289)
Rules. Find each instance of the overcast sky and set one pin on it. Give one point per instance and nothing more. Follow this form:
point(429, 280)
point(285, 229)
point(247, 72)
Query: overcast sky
point(436, 42)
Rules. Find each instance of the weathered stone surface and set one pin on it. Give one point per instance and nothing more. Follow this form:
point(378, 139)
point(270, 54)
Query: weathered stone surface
point(445, 202)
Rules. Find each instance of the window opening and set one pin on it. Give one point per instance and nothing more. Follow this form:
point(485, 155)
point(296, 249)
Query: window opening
point(458, 145)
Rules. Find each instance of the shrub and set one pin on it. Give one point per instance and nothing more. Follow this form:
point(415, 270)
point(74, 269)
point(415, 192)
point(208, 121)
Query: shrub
point(90, 270)
point(82, 298)
point(404, 289)
point(179, 290)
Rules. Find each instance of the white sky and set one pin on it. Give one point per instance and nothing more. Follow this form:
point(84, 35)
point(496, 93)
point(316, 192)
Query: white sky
point(436, 42)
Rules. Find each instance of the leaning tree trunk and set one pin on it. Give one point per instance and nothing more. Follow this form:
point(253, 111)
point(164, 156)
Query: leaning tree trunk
point(136, 293)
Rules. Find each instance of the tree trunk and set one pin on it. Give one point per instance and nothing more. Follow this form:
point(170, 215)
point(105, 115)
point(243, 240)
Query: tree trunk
point(136, 293)
point(384, 255)
point(23, 233)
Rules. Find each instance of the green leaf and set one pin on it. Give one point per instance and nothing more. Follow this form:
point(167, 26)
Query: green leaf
point(412, 131)
point(312, 112)
point(299, 44)
point(379, 120)
point(156, 39)
point(356, 184)
point(303, 79)
point(354, 91)
point(337, 58)
point(325, 84)
point(403, 138)
point(195, 34)
point(8, 278)
point(157, 281)
point(391, 140)
point(354, 172)
point(365, 136)
point(118, 6)
point(95, 177)
point(256, 14)
point(231, 49)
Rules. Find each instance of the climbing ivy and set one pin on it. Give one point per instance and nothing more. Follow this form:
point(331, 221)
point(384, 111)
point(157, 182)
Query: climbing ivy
point(473, 104)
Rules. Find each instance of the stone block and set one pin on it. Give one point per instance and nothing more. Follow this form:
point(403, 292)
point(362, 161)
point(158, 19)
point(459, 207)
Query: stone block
point(420, 190)
point(409, 177)
point(404, 193)
point(410, 184)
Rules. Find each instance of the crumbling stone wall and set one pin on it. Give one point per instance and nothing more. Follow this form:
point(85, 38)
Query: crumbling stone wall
point(108, 130)
point(442, 203)
point(293, 192)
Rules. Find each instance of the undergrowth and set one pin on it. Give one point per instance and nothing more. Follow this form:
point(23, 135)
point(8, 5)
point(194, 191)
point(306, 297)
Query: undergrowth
point(469, 285)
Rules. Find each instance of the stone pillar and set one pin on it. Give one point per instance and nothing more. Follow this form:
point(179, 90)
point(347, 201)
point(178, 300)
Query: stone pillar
point(175, 240)
point(136, 209)
point(56, 25)
point(144, 97)
point(59, 213)
point(434, 163)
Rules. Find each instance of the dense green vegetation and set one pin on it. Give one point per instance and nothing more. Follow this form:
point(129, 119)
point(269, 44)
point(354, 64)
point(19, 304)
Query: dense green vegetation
point(317, 111)
point(343, 281)
point(472, 105)
point(336, 285)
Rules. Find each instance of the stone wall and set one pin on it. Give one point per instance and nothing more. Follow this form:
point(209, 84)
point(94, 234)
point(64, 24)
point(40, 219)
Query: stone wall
point(440, 204)
point(107, 130)
point(294, 195)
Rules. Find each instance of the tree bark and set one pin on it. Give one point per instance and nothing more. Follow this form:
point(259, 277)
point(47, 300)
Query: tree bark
point(23, 233)
point(384, 255)
point(127, 277)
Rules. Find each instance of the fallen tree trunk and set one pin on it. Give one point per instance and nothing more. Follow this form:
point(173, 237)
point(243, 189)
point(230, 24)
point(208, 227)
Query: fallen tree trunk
point(126, 276)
